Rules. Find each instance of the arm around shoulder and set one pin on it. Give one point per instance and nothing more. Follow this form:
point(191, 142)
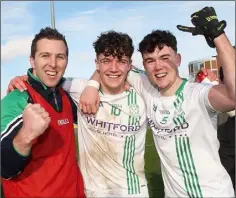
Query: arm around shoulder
point(74, 86)
point(138, 79)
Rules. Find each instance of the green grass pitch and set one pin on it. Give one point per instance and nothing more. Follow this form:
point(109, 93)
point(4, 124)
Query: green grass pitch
point(153, 169)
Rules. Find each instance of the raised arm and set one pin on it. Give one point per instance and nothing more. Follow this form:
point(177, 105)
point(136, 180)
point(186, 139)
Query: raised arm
point(221, 97)
point(138, 79)
point(226, 55)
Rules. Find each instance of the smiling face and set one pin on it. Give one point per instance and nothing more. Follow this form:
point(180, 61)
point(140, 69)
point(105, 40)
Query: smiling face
point(162, 67)
point(113, 72)
point(50, 61)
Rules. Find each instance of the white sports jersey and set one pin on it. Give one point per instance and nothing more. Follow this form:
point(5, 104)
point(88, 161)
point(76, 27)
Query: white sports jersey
point(112, 144)
point(184, 131)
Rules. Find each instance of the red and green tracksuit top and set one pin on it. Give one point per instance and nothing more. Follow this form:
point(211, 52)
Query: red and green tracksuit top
point(52, 170)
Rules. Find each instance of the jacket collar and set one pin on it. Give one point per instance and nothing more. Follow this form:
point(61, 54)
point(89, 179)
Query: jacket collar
point(37, 84)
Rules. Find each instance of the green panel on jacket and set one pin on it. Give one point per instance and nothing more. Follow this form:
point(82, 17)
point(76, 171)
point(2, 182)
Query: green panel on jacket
point(12, 105)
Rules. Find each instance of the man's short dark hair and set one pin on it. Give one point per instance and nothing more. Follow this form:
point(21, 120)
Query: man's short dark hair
point(116, 44)
point(157, 38)
point(47, 33)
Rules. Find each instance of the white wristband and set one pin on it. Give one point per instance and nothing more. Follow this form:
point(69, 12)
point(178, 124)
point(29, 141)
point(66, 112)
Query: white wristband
point(93, 83)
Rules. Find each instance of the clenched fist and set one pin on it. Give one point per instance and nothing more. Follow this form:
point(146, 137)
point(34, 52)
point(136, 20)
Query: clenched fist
point(35, 120)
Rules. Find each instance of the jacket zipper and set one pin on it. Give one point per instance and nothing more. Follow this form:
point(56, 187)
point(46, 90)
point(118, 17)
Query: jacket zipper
point(55, 100)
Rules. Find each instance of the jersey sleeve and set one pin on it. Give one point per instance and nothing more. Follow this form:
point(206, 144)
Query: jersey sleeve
point(138, 79)
point(200, 94)
point(203, 99)
point(75, 87)
point(203, 96)
point(12, 106)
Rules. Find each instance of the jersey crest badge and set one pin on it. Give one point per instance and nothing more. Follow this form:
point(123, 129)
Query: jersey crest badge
point(134, 110)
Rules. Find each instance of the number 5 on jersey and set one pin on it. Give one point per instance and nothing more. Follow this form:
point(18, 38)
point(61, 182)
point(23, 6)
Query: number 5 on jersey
point(164, 120)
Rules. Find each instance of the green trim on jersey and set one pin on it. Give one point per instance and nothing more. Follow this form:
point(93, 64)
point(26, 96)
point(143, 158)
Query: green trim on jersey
point(181, 87)
point(137, 70)
point(132, 97)
point(132, 103)
point(129, 150)
point(183, 150)
point(132, 100)
point(186, 163)
point(12, 106)
point(178, 104)
point(128, 164)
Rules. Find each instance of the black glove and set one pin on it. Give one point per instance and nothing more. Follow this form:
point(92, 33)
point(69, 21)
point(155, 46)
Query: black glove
point(207, 24)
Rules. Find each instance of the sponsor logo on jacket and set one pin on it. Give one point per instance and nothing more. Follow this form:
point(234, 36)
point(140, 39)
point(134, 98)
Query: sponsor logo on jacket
point(63, 121)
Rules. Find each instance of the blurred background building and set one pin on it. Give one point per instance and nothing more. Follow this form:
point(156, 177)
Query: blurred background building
point(208, 63)
point(211, 63)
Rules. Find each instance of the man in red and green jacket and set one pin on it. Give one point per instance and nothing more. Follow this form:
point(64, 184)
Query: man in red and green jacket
point(38, 154)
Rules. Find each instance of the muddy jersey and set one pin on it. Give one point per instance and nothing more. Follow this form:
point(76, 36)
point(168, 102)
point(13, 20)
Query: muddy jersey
point(184, 131)
point(112, 144)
